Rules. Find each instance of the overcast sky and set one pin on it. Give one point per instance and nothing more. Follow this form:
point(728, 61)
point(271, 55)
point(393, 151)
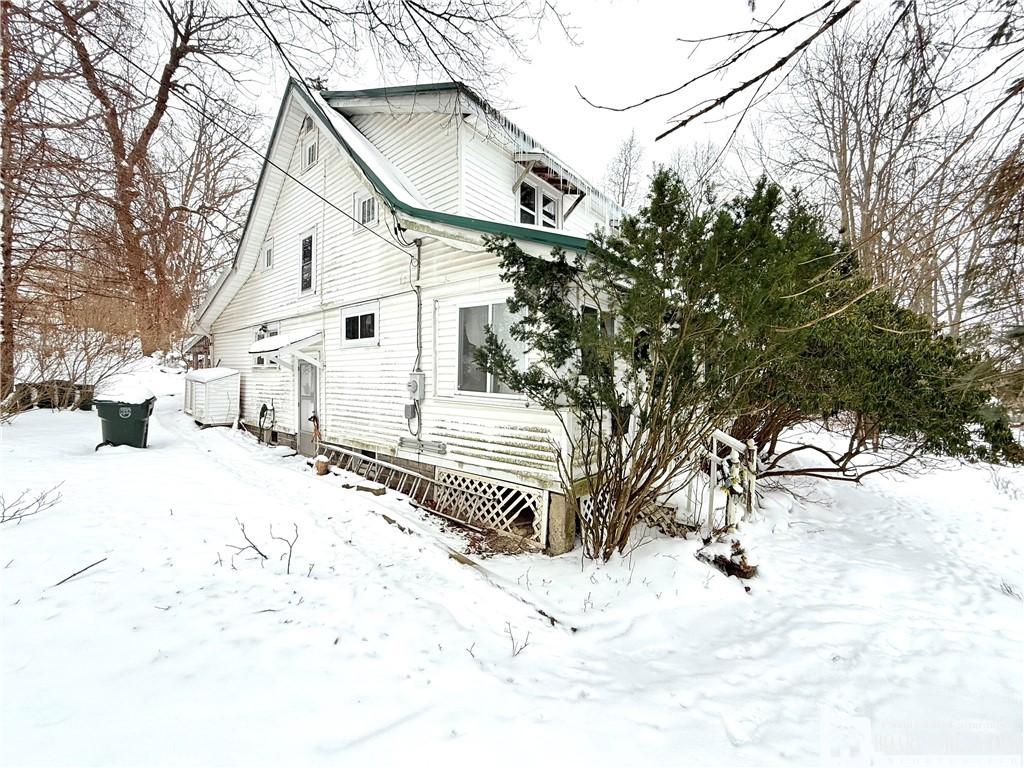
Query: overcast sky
point(627, 49)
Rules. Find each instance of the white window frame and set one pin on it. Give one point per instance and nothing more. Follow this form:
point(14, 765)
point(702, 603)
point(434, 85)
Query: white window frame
point(487, 300)
point(263, 362)
point(265, 263)
point(310, 141)
point(358, 310)
point(358, 200)
point(543, 190)
point(314, 270)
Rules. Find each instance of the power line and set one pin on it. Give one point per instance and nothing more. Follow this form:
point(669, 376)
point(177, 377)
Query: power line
point(264, 27)
point(266, 158)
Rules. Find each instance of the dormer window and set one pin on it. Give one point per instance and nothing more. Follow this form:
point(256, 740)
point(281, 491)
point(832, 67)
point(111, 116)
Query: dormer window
point(537, 206)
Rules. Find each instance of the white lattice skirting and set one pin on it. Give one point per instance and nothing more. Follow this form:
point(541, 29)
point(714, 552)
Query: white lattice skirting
point(516, 509)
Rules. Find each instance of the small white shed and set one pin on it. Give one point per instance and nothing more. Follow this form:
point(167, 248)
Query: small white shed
point(212, 396)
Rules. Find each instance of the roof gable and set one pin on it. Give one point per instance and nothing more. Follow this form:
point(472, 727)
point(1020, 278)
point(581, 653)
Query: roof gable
point(378, 172)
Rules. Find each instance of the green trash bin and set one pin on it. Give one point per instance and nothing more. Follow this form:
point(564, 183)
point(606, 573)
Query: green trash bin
point(124, 423)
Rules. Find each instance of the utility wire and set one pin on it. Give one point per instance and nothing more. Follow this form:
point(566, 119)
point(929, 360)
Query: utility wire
point(261, 23)
point(202, 110)
point(264, 27)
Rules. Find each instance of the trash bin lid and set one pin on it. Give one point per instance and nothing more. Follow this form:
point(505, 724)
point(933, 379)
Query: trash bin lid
point(123, 390)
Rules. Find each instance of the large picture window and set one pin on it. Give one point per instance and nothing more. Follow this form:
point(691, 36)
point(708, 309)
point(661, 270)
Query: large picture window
point(472, 324)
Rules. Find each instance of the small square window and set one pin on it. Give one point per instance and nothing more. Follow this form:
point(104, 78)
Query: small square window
point(359, 325)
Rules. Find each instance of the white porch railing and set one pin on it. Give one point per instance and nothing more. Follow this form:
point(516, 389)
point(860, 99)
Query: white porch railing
point(726, 493)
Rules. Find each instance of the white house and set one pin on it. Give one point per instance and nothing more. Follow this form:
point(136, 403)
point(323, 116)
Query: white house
point(361, 287)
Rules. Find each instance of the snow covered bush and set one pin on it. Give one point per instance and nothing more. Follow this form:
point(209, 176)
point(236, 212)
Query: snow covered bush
point(62, 358)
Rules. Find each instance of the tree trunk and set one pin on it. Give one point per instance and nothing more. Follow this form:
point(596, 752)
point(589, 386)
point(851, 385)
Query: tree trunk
point(7, 284)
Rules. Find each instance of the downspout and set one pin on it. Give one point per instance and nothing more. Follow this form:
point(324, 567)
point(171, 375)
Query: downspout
point(419, 332)
point(321, 374)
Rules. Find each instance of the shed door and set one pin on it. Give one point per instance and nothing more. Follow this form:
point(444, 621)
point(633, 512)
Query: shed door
point(307, 408)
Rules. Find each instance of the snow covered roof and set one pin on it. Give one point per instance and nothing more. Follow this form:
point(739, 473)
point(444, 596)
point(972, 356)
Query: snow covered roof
point(375, 162)
point(438, 96)
point(309, 336)
point(210, 374)
point(192, 341)
point(381, 174)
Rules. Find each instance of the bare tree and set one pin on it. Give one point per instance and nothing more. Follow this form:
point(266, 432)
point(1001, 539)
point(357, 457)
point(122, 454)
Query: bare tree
point(761, 57)
point(623, 177)
point(862, 127)
point(457, 38)
point(125, 159)
point(135, 219)
point(36, 109)
point(917, 110)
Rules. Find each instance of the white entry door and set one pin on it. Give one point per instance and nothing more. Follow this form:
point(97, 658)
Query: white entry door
point(307, 408)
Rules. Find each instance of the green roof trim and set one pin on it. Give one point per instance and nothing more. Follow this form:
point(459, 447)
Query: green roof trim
point(397, 90)
point(485, 226)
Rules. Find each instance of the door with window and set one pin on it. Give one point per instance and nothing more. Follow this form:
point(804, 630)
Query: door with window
point(308, 416)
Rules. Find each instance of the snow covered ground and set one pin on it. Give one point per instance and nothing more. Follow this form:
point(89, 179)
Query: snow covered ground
point(885, 623)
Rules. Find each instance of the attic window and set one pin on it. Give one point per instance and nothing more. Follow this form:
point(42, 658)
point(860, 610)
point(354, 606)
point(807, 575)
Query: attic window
point(537, 206)
point(310, 150)
point(364, 210)
point(267, 260)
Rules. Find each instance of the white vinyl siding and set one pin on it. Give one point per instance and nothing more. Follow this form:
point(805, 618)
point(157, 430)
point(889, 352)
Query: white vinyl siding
point(423, 147)
point(363, 386)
